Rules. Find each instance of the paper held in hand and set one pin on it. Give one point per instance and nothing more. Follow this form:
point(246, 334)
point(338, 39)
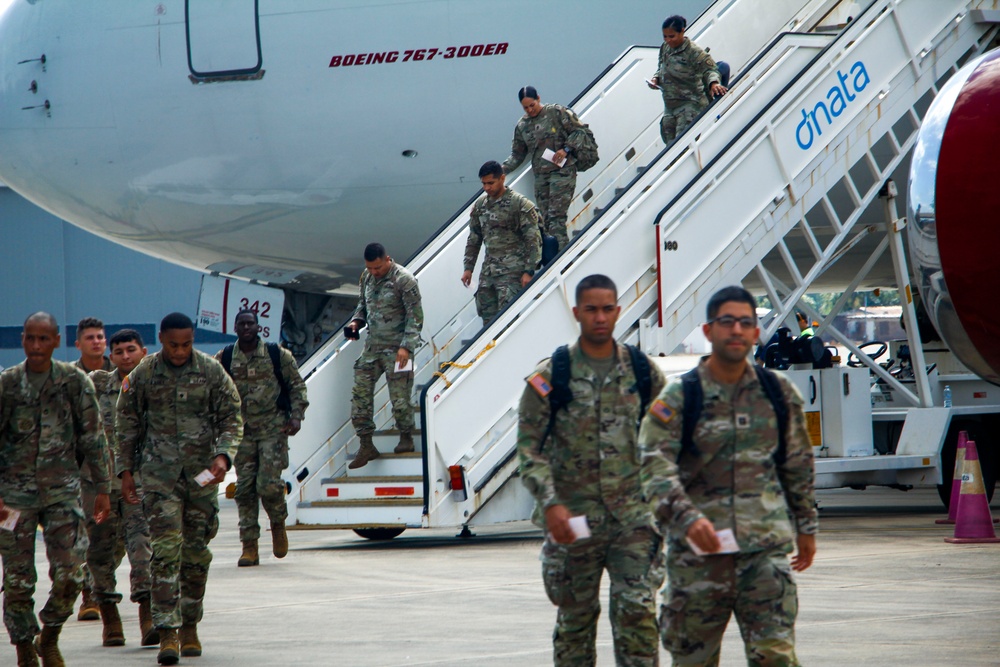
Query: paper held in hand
point(549, 154)
point(10, 523)
point(580, 527)
point(405, 368)
point(205, 477)
point(726, 539)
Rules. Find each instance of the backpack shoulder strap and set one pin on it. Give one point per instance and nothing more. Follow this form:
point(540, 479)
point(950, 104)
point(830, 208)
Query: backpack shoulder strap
point(561, 395)
point(275, 354)
point(227, 358)
point(772, 388)
point(643, 376)
point(694, 397)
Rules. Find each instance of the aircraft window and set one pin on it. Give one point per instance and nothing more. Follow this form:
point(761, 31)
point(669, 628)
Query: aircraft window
point(223, 39)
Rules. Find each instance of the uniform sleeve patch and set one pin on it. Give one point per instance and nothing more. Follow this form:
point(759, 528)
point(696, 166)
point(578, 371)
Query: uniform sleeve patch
point(661, 411)
point(126, 385)
point(540, 384)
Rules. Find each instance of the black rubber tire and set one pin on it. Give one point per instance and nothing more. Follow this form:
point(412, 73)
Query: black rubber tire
point(380, 533)
point(985, 448)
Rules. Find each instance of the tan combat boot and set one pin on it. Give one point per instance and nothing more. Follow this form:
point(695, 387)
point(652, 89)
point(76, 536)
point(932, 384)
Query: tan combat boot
point(405, 443)
point(89, 610)
point(279, 539)
point(48, 646)
point(249, 556)
point(170, 647)
point(366, 453)
point(190, 646)
point(150, 635)
point(26, 654)
point(113, 633)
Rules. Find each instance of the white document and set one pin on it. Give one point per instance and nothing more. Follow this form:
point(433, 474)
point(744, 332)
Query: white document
point(580, 527)
point(726, 539)
point(649, 82)
point(205, 477)
point(549, 155)
point(404, 369)
point(11, 521)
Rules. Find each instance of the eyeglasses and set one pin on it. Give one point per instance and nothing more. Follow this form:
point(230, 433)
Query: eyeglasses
point(728, 322)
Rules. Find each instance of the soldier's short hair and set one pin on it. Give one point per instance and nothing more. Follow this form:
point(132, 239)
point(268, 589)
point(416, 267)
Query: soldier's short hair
point(727, 294)
point(675, 22)
point(527, 91)
point(595, 281)
point(247, 311)
point(491, 168)
point(88, 323)
point(176, 321)
point(42, 315)
point(125, 336)
point(374, 251)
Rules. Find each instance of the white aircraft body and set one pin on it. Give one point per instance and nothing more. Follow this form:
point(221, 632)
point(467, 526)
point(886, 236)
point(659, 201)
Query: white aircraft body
point(274, 139)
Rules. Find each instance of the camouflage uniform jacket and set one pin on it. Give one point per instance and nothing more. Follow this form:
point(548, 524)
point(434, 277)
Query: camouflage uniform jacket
point(173, 420)
point(391, 307)
point(509, 226)
point(108, 384)
point(590, 461)
point(42, 434)
point(106, 365)
point(732, 479)
point(259, 389)
point(552, 128)
point(686, 73)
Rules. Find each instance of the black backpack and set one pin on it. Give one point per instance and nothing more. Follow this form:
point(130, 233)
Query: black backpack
point(694, 399)
point(561, 395)
point(284, 401)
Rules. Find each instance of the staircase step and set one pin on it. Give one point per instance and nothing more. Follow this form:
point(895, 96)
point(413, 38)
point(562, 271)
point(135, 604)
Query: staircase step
point(360, 514)
point(391, 465)
point(372, 488)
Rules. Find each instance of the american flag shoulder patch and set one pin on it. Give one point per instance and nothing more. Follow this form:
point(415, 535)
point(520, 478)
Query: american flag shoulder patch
point(540, 384)
point(661, 411)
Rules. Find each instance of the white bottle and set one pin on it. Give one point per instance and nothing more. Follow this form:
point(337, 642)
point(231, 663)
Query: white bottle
point(947, 396)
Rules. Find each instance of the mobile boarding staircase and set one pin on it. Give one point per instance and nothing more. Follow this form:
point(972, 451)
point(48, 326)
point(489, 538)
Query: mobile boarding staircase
point(669, 226)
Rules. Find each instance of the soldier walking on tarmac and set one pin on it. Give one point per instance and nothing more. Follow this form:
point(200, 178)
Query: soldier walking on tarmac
point(390, 306)
point(577, 443)
point(179, 425)
point(725, 485)
point(51, 422)
point(510, 227)
point(125, 530)
point(274, 402)
point(92, 342)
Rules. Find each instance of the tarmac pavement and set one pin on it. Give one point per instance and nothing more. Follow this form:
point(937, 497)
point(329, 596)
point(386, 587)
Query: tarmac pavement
point(885, 589)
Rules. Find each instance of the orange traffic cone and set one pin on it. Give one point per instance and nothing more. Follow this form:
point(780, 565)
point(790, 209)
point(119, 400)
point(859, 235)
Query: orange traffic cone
point(956, 478)
point(973, 522)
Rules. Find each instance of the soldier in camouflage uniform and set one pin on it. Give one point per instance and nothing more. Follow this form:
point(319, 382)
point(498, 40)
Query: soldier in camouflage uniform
point(508, 224)
point(548, 126)
point(178, 415)
point(50, 422)
point(589, 466)
point(390, 306)
point(686, 76)
point(263, 452)
point(92, 343)
point(126, 530)
point(731, 479)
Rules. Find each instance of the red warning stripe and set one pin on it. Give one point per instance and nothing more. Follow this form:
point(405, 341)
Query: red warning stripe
point(332, 493)
point(394, 490)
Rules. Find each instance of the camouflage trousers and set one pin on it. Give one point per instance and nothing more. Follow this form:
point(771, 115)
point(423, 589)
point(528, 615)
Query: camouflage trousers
point(65, 536)
point(124, 531)
point(678, 116)
point(633, 557)
point(494, 293)
point(553, 194)
point(261, 458)
point(705, 591)
point(181, 524)
point(367, 370)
